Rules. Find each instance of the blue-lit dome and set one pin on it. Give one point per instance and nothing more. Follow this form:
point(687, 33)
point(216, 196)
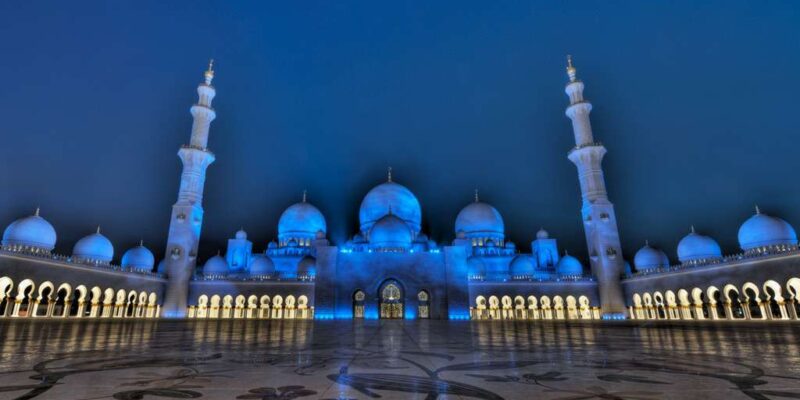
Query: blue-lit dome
point(307, 266)
point(241, 234)
point(301, 220)
point(569, 266)
point(542, 234)
point(521, 266)
point(215, 266)
point(30, 232)
point(762, 230)
point(162, 267)
point(387, 195)
point(696, 247)
point(476, 267)
point(480, 220)
point(628, 269)
point(390, 232)
point(262, 266)
point(94, 247)
point(650, 258)
point(138, 258)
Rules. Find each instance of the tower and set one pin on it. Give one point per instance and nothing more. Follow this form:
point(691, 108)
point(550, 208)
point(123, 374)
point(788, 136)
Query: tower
point(187, 213)
point(599, 220)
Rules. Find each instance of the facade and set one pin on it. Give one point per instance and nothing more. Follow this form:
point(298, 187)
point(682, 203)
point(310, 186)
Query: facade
point(390, 268)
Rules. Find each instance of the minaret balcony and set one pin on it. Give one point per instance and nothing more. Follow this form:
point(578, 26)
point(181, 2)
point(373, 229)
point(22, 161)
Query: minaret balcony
point(585, 145)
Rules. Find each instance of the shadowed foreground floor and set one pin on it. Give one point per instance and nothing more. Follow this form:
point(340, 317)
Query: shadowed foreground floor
point(249, 359)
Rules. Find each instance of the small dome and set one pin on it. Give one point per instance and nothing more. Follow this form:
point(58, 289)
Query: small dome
point(215, 266)
point(476, 267)
point(387, 195)
point(764, 230)
point(301, 220)
point(33, 231)
point(262, 266)
point(94, 247)
point(138, 258)
point(162, 267)
point(542, 234)
point(569, 266)
point(272, 245)
point(522, 265)
point(241, 234)
point(510, 245)
point(390, 232)
point(628, 269)
point(695, 247)
point(480, 219)
point(307, 266)
point(650, 258)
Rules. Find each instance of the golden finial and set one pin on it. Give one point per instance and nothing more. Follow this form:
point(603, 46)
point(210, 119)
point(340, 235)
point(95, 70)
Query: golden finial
point(305, 194)
point(37, 212)
point(390, 174)
point(141, 242)
point(570, 69)
point(758, 211)
point(647, 243)
point(476, 196)
point(98, 229)
point(209, 74)
point(692, 229)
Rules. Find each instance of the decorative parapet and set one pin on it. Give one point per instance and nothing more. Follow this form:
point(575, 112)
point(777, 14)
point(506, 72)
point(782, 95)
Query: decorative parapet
point(44, 255)
point(760, 253)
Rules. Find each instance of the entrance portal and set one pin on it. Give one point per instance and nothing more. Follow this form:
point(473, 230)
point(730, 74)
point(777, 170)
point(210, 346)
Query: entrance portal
point(391, 296)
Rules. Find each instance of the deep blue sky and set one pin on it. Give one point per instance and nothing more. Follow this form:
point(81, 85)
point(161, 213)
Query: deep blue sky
point(697, 103)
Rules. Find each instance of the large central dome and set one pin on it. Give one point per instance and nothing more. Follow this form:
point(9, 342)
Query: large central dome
point(301, 220)
point(381, 198)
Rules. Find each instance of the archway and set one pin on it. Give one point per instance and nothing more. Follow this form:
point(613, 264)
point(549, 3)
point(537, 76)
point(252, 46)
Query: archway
point(43, 303)
point(63, 301)
point(6, 285)
point(358, 304)
point(734, 303)
point(424, 305)
point(776, 304)
point(391, 300)
point(480, 308)
point(753, 302)
point(793, 287)
point(22, 302)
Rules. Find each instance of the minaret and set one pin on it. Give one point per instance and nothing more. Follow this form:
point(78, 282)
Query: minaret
point(187, 213)
point(599, 220)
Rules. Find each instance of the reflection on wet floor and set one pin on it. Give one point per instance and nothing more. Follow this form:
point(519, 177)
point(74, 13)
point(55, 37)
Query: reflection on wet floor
point(284, 359)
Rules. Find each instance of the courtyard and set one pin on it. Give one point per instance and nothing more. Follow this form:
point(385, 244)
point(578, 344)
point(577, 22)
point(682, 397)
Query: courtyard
point(397, 359)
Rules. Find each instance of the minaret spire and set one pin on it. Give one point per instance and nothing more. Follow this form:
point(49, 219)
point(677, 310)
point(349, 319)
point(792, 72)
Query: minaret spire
point(209, 74)
point(571, 71)
point(599, 218)
point(187, 213)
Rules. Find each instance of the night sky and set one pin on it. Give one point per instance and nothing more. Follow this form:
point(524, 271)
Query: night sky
point(697, 103)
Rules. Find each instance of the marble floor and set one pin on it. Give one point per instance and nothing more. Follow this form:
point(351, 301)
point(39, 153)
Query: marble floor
point(137, 359)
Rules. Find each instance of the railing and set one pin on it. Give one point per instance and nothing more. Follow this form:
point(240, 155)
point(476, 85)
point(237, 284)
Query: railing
point(580, 146)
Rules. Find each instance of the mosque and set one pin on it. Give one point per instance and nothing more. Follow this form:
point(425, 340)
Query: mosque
point(390, 269)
